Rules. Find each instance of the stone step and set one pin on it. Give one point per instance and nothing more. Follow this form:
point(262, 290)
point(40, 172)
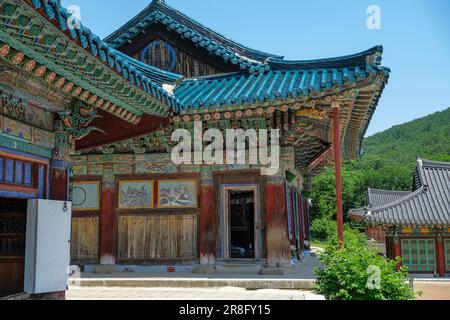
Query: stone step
point(251, 284)
point(239, 268)
point(242, 261)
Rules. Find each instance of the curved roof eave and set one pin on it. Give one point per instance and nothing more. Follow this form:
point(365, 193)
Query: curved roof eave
point(371, 57)
point(378, 214)
point(274, 85)
point(159, 76)
point(119, 63)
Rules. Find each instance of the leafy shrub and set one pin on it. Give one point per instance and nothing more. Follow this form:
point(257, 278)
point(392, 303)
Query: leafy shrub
point(358, 273)
point(324, 229)
point(352, 235)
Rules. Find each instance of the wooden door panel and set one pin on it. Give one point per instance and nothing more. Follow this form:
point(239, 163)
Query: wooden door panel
point(157, 237)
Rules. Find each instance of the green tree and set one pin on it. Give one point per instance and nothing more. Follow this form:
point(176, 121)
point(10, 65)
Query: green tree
point(356, 272)
point(387, 163)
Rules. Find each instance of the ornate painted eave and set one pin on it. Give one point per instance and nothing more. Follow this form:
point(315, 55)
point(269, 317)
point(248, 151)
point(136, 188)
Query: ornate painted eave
point(309, 92)
point(158, 12)
point(34, 36)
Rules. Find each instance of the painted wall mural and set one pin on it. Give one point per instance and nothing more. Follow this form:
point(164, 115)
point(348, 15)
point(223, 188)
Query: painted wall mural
point(25, 132)
point(17, 129)
point(177, 194)
point(43, 138)
point(39, 118)
point(136, 194)
point(86, 196)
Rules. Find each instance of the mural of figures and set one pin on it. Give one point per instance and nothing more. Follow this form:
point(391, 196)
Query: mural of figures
point(177, 194)
point(86, 196)
point(136, 195)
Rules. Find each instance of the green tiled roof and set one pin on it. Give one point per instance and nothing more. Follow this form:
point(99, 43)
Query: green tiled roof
point(301, 80)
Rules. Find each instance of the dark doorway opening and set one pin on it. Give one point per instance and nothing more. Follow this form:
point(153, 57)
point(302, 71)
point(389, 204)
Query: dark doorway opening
point(13, 216)
point(242, 224)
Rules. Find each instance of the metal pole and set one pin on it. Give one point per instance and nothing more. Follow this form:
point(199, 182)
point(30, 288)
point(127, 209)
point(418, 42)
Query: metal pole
point(337, 160)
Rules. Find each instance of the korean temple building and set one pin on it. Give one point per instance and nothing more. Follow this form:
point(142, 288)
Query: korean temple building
point(90, 121)
point(415, 225)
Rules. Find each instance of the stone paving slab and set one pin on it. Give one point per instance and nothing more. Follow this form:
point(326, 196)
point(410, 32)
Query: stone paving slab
point(227, 293)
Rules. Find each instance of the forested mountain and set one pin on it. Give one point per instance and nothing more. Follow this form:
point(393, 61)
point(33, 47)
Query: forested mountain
point(387, 162)
point(427, 137)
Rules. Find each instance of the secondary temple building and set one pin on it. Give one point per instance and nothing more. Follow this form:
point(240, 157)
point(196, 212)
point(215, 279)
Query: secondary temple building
point(415, 225)
point(91, 121)
point(376, 198)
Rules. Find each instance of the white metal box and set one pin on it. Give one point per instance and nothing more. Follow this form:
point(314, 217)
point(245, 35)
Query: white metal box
point(47, 256)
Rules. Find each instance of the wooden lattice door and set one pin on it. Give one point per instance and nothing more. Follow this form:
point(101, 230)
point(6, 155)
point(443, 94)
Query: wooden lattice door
point(12, 245)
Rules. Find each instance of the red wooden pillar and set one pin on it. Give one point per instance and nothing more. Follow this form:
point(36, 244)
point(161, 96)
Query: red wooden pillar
point(59, 184)
point(440, 255)
point(207, 232)
point(301, 222)
point(278, 244)
point(292, 218)
point(337, 159)
point(107, 243)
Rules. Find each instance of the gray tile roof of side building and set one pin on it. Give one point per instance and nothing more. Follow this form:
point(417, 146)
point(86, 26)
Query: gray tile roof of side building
point(381, 197)
point(378, 198)
point(428, 205)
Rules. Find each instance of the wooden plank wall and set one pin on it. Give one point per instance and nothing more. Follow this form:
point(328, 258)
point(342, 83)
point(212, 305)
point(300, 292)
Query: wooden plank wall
point(185, 64)
point(85, 237)
point(157, 237)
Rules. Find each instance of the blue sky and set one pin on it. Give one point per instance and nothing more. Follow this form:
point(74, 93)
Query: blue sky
point(415, 35)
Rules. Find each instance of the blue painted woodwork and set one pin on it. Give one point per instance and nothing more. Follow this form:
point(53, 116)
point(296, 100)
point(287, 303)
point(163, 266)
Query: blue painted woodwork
point(19, 172)
point(41, 183)
point(21, 195)
point(28, 174)
point(9, 171)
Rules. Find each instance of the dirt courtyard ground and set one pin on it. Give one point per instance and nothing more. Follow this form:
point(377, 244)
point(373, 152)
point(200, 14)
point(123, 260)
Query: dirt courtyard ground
point(433, 290)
